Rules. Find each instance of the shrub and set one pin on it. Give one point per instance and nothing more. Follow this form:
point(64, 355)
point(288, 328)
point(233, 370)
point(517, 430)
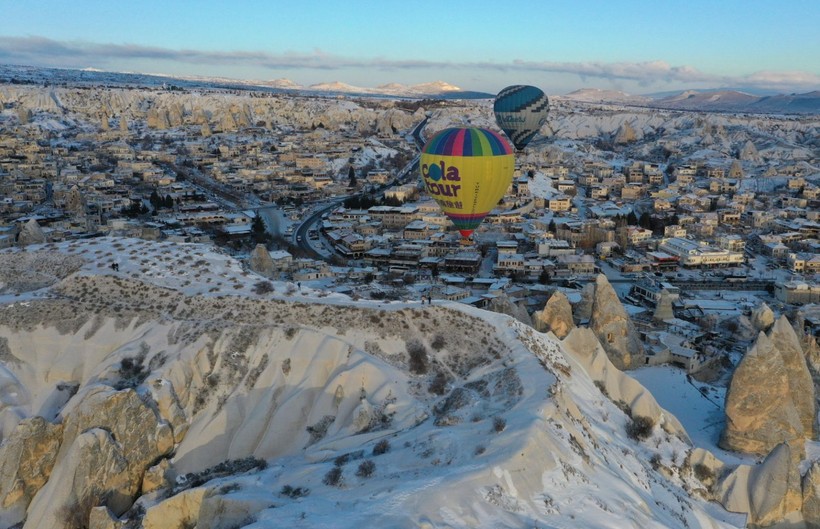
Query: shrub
point(382, 447)
point(418, 357)
point(438, 343)
point(333, 478)
point(263, 287)
point(294, 492)
point(639, 428)
point(499, 423)
point(655, 461)
point(438, 386)
point(703, 473)
point(366, 469)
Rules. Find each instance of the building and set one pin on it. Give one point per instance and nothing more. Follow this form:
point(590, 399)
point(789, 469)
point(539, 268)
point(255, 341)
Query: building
point(693, 254)
point(797, 292)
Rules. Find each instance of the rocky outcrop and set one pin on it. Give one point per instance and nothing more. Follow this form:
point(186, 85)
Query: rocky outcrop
point(75, 202)
point(582, 311)
point(556, 316)
point(93, 472)
point(260, 261)
point(31, 233)
point(102, 518)
point(664, 311)
point(749, 152)
point(625, 134)
point(180, 510)
point(775, 491)
point(736, 169)
point(504, 305)
point(27, 458)
point(811, 496)
point(762, 318)
point(612, 326)
point(771, 395)
point(157, 477)
point(801, 386)
point(770, 493)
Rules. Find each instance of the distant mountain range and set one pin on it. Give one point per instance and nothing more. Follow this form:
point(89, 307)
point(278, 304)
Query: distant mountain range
point(710, 101)
point(718, 100)
point(37, 75)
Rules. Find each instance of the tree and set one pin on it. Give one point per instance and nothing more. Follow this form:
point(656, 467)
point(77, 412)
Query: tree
point(156, 201)
point(544, 276)
point(632, 219)
point(258, 231)
point(645, 221)
point(551, 226)
point(351, 175)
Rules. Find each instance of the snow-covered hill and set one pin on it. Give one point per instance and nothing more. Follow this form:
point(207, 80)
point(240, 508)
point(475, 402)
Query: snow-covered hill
point(396, 414)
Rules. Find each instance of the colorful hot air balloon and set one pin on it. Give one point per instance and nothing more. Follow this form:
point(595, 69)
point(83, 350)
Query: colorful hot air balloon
point(520, 111)
point(467, 170)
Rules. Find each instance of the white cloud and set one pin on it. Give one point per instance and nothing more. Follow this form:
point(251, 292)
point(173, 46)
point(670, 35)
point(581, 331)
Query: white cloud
point(77, 54)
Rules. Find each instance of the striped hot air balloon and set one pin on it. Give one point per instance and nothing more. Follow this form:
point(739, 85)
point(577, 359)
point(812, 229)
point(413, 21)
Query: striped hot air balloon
point(520, 111)
point(467, 170)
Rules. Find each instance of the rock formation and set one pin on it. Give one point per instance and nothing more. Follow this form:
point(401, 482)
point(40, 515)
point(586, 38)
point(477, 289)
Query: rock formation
point(26, 460)
point(504, 305)
point(582, 311)
point(771, 395)
point(75, 202)
point(31, 233)
point(749, 152)
point(736, 169)
point(762, 318)
point(556, 316)
point(613, 327)
point(93, 472)
point(123, 125)
point(260, 261)
point(664, 309)
point(625, 134)
point(811, 495)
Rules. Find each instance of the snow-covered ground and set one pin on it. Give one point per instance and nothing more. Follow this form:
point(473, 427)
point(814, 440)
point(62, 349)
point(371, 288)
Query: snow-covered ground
point(518, 434)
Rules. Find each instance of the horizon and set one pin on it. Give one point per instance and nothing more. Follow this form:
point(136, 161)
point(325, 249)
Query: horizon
point(632, 47)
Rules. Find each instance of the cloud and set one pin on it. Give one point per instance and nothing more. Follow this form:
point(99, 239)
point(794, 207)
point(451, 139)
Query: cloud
point(41, 51)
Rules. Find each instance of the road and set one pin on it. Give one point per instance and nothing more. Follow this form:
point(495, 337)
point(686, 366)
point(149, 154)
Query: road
point(300, 234)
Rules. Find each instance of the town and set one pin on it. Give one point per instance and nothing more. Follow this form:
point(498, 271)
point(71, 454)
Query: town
point(697, 220)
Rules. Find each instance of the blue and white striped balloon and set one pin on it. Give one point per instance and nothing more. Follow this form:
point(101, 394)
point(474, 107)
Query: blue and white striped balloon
point(521, 111)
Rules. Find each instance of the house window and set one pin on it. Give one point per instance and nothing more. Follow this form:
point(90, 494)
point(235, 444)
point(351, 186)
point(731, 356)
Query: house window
point(609, 337)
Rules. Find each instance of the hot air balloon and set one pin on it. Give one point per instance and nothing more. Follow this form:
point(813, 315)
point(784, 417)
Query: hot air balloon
point(467, 170)
point(520, 111)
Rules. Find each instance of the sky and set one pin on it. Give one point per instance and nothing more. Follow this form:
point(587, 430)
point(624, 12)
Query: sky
point(635, 46)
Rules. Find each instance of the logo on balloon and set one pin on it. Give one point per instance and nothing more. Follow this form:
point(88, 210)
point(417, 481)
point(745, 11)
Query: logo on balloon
point(436, 172)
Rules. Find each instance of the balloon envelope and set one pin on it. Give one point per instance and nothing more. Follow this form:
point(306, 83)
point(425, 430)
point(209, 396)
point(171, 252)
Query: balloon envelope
point(467, 170)
point(520, 111)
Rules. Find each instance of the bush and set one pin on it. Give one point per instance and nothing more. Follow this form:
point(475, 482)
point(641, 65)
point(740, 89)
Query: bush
point(703, 473)
point(639, 428)
point(418, 357)
point(499, 423)
point(333, 478)
point(294, 492)
point(263, 287)
point(366, 469)
point(438, 343)
point(382, 447)
point(438, 386)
